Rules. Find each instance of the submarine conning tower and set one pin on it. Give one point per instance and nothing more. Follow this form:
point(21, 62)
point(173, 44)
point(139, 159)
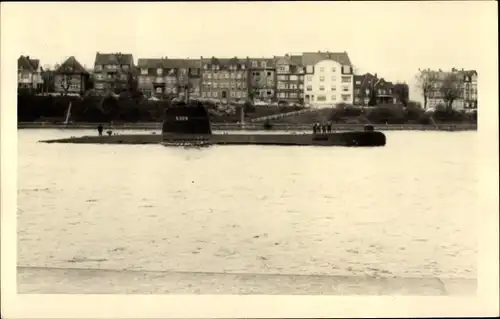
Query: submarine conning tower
point(181, 119)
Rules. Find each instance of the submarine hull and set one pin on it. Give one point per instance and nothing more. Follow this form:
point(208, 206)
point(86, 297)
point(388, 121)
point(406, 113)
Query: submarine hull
point(356, 139)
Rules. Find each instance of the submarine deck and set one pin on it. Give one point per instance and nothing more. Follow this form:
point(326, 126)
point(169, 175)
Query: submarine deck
point(304, 139)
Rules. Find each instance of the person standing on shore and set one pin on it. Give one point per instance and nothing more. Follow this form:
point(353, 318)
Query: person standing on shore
point(99, 129)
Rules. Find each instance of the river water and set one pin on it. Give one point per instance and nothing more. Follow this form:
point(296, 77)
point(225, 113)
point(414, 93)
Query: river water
point(405, 210)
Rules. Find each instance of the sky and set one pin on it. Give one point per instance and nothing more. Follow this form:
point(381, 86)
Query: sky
point(392, 39)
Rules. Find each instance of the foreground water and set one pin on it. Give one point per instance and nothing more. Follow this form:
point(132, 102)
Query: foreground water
point(406, 210)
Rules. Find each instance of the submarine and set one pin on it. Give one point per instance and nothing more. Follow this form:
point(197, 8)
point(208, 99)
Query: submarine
point(189, 124)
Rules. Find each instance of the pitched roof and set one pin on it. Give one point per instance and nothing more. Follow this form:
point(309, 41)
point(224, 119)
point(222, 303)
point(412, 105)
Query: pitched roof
point(71, 65)
point(168, 63)
point(292, 60)
point(269, 61)
point(25, 63)
point(225, 61)
point(114, 59)
point(311, 58)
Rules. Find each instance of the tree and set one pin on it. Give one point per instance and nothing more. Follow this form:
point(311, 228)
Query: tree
point(451, 88)
point(401, 91)
point(426, 81)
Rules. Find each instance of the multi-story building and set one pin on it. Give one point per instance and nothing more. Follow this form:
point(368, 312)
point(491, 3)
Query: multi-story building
point(71, 77)
point(262, 75)
point(328, 80)
point(464, 81)
point(289, 79)
point(225, 79)
point(29, 74)
point(113, 72)
point(169, 77)
point(368, 85)
point(470, 89)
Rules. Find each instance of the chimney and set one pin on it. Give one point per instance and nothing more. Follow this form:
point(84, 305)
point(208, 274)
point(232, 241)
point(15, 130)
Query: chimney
point(28, 57)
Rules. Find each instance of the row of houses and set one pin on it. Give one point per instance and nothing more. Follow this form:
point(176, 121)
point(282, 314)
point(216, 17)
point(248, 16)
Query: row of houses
point(316, 79)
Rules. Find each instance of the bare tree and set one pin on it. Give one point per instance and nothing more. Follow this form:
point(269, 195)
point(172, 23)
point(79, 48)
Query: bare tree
point(65, 82)
point(426, 81)
point(451, 89)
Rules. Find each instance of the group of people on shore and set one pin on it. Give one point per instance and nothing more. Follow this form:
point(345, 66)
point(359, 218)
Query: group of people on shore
point(322, 128)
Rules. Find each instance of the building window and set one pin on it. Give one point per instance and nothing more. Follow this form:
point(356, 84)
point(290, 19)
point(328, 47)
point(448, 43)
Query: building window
point(309, 78)
point(346, 69)
point(334, 98)
point(334, 78)
point(301, 86)
point(334, 88)
point(309, 88)
point(281, 85)
point(321, 78)
point(358, 82)
point(205, 66)
point(345, 97)
point(321, 69)
point(321, 98)
point(310, 69)
point(144, 71)
point(159, 71)
point(269, 74)
point(293, 78)
point(98, 68)
point(334, 70)
point(321, 88)
point(281, 77)
point(254, 64)
point(346, 79)
point(345, 89)
point(263, 64)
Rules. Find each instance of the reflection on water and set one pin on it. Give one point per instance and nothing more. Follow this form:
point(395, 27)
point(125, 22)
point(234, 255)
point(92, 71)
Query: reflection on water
point(407, 209)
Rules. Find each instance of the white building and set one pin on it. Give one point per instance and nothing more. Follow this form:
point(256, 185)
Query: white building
point(328, 79)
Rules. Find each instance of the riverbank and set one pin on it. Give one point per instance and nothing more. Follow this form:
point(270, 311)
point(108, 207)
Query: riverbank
point(98, 281)
point(255, 126)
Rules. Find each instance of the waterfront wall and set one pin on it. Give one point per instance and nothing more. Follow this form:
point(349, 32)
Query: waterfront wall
point(156, 126)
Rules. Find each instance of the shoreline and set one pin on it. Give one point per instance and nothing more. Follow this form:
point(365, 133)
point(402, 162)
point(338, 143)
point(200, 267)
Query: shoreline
point(254, 126)
point(87, 280)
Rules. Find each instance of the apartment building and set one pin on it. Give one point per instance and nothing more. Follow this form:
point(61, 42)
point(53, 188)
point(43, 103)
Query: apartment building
point(466, 81)
point(113, 72)
point(161, 77)
point(289, 79)
point(262, 75)
point(328, 79)
point(29, 74)
point(225, 79)
point(368, 85)
point(470, 89)
point(71, 77)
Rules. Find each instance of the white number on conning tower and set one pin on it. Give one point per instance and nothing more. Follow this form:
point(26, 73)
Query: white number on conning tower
point(181, 118)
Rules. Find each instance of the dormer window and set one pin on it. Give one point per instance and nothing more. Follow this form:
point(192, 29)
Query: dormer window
point(205, 66)
point(144, 71)
point(254, 64)
point(97, 68)
point(159, 71)
point(243, 67)
point(263, 64)
point(346, 69)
